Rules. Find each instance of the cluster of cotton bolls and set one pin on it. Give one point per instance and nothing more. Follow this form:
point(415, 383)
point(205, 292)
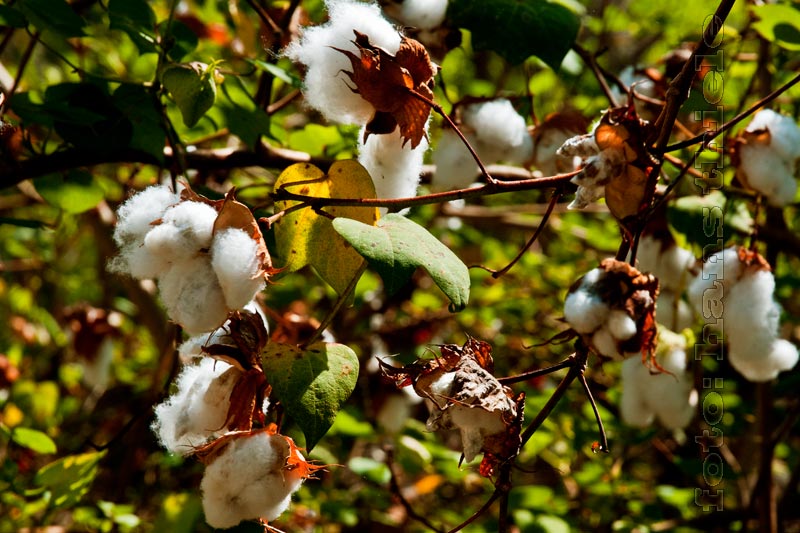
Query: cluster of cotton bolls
point(735, 295)
point(394, 165)
point(610, 307)
point(673, 266)
point(767, 156)
point(668, 396)
point(204, 271)
point(495, 131)
point(252, 478)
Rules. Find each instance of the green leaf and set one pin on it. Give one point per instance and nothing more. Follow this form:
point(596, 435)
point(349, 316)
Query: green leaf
point(86, 116)
point(779, 24)
point(193, 88)
point(69, 478)
point(247, 124)
point(312, 384)
point(700, 219)
point(12, 18)
point(34, 440)
point(517, 30)
point(280, 73)
point(54, 15)
point(76, 192)
point(397, 246)
point(137, 19)
point(305, 238)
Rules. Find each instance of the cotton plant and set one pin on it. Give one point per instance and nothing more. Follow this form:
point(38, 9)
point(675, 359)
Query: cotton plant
point(346, 62)
point(495, 131)
point(735, 295)
point(767, 155)
point(208, 258)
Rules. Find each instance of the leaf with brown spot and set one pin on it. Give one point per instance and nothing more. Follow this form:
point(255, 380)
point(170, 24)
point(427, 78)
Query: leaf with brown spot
point(389, 82)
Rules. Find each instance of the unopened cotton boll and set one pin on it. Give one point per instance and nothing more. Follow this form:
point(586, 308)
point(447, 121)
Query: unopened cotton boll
point(185, 230)
point(193, 296)
point(236, 264)
point(249, 481)
point(394, 168)
point(197, 411)
point(423, 14)
point(327, 87)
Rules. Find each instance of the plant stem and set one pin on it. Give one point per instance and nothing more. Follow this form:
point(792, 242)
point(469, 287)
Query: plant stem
point(338, 305)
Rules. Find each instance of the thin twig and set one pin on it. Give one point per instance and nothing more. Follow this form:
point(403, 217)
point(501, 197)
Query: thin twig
point(588, 391)
point(525, 376)
point(553, 201)
point(338, 305)
point(23, 63)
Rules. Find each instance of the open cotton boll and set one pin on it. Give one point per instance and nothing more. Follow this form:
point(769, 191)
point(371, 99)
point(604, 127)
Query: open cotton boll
point(784, 132)
point(605, 343)
point(500, 131)
point(327, 87)
point(193, 296)
point(249, 481)
point(670, 265)
point(633, 408)
point(621, 326)
point(781, 356)
point(766, 171)
point(236, 264)
point(185, 229)
point(197, 411)
point(423, 14)
point(394, 168)
point(583, 309)
point(136, 261)
point(455, 167)
point(718, 274)
point(672, 396)
point(136, 215)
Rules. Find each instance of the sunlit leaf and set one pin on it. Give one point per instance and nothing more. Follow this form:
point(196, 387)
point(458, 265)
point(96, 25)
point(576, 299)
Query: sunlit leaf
point(179, 513)
point(779, 24)
point(69, 478)
point(76, 192)
point(193, 87)
point(305, 238)
point(12, 18)
point(312, 383)
point(136, 18)
point(397, 246)
point(517, 30)
point(34, 440)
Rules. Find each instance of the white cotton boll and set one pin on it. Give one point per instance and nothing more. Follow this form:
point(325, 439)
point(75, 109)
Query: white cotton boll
point(604, 342)
point(136, 215)
point(423, 14)
point(673, 314)
point(759, 366)
point(671, 265)
point(718, 274)
point(633, 408)
point(475, 424)
point(442, 387)
point(327, 87)
point(185, 229)
point(234, 260)
point(500, 132)
point(584, 311)
point(784, 132)
point(670, 395)
point(621, 326)
point(455, 166)
point(395, 169)
point(768, 172)
point(249, 481)
point(750, 305)
point(198, 409)
point(137, 261)
point(193, 296)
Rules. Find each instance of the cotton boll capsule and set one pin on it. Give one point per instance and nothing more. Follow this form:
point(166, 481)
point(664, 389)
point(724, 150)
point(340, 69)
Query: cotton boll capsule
point(605, 343)
point(584, 311)
point(620, 325)
point(197, 410)
point(327, 87)
point(252, 478)
point(136, 215)
point(183, 231)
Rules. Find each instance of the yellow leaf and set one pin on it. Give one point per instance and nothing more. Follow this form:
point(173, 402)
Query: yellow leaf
point(304, 237)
